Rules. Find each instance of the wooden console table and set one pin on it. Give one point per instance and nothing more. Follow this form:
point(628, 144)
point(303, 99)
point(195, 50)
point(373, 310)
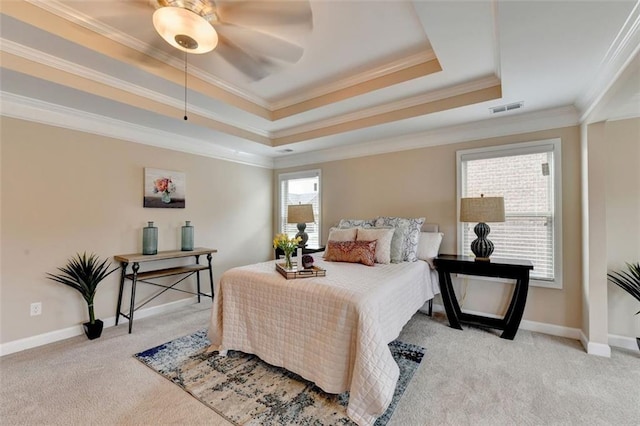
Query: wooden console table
point(183, 272)
point(447, 264)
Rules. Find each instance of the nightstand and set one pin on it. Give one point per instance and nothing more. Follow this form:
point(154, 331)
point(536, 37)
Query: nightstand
point(305, 250)
point(447, 264)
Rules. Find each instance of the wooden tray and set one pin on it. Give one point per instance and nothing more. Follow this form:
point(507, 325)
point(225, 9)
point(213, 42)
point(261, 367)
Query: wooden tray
point(303, 273)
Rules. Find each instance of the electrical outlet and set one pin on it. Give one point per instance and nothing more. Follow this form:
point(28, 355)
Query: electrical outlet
point(36, 308)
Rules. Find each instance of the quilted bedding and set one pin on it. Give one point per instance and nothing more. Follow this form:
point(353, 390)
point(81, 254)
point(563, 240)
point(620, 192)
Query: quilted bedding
point(331, 330)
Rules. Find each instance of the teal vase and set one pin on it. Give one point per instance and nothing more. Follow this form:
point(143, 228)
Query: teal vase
point(150, 239)
point(187, 236)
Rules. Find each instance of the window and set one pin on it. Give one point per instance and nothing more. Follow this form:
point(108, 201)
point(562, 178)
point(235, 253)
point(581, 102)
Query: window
point(528, 176)
point(300, 188)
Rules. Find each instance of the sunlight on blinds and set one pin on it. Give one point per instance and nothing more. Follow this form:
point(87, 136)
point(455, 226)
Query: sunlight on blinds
point(528, 190)
point(301, 188)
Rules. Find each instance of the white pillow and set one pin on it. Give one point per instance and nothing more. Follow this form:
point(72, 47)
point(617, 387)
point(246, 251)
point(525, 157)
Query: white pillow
point(336, 234)
point(383, 237)
point(429, 246)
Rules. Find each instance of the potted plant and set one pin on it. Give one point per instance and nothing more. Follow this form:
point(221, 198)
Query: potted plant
point(84, 274)
point(629, 281)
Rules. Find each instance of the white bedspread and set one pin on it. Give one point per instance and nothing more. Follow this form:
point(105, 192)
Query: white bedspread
point(331, 330)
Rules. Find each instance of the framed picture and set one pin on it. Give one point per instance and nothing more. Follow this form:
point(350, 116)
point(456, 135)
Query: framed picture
point(164, 189)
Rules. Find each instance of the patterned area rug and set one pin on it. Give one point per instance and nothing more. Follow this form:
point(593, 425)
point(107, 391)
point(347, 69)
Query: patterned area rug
point(247, 391)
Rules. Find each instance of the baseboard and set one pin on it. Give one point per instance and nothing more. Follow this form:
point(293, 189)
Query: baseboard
point(623, 342)
point(551, 329)
point(591, 348)
point(77, 330)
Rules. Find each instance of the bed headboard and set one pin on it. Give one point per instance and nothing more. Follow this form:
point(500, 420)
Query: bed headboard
point(430, 227)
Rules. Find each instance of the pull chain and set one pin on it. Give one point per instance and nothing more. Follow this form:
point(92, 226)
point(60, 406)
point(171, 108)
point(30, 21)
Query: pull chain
point(185, 86)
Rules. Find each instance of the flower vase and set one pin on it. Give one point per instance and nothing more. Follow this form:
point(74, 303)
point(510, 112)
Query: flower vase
point(287, 261)
point(166, 198)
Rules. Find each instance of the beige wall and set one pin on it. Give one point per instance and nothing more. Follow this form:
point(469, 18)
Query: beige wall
point(622, 218)
point(64, 192)
point(422, 182)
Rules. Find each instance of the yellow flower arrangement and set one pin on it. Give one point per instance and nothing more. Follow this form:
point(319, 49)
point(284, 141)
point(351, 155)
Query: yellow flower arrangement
point(287, 245)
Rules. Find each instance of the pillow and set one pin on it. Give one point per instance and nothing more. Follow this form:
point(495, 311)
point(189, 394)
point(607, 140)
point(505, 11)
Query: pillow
point(351, 251)
point(356, 223)
point(398, 241)
point(383, 237)
point(336, 234)
point(410, 240)
point(429, 246)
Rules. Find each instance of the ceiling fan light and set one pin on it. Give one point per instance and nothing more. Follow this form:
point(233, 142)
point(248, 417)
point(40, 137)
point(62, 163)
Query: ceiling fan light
point(181, 27)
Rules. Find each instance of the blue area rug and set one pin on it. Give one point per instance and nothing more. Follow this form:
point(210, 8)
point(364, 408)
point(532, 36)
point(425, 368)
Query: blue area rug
point(245, 390)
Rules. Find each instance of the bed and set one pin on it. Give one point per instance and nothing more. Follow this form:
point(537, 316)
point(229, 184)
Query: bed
point(332, 330)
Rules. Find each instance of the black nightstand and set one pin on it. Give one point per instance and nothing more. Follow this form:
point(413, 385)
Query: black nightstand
point(305, 250)
point(447, 264)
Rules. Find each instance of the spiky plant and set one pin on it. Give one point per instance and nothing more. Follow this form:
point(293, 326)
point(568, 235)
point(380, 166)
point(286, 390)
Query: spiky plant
point(628, 280)
point(84, 274)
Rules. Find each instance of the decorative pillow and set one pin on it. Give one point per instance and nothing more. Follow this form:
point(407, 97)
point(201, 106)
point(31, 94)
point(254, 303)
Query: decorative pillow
point(398, 242)
point(351, 251)
point(429, 246)
point(336, 234)
point(356, 223)
point(410, 241)
point(383, 236)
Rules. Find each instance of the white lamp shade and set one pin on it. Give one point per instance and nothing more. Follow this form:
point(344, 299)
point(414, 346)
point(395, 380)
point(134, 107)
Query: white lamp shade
point(171, 21)
point(300, 213)
point(482, 209)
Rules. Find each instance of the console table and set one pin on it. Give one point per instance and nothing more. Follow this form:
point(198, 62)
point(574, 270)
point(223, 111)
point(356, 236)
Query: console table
point(447, 264)
point(182, 273)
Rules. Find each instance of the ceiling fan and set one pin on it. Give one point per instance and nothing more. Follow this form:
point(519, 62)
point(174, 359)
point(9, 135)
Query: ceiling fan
point(233, 29)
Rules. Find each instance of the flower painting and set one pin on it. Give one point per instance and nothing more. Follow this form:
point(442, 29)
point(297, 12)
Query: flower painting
point(164, 189)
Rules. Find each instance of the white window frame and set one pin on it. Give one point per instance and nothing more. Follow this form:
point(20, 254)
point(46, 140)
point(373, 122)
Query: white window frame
point(547, 145)
point(301, 175)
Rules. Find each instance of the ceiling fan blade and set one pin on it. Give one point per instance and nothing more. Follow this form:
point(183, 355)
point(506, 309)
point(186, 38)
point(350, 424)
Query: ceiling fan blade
point(266, 13)
point(254, 68)
point(260, 43)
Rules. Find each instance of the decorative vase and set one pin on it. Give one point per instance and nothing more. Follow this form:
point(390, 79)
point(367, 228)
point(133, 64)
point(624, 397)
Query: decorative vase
point(150, 239)
point(187, 236)
point(166, 198)
point(93, 331)
point(307, 261)
point(287, 260)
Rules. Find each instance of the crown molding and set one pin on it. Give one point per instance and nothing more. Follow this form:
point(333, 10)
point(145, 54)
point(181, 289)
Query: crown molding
point(47, 60)
point(620, 53)
point(425, 98)
point(70, 14)
point(494, 127)
point(29, 109)
point(354, 80)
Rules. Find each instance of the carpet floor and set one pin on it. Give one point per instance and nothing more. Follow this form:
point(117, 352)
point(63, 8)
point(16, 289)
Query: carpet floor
point(467, 377)
point(247, 391)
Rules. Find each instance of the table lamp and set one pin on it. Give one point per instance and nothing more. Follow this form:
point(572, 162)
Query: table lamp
point(300, 214)
point(482, 209)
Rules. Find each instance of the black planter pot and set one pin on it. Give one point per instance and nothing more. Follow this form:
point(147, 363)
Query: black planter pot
point(93, 331)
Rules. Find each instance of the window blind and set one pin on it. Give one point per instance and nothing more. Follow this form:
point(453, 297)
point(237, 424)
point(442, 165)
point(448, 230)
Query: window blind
point(525, 176)
point(300, 188)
